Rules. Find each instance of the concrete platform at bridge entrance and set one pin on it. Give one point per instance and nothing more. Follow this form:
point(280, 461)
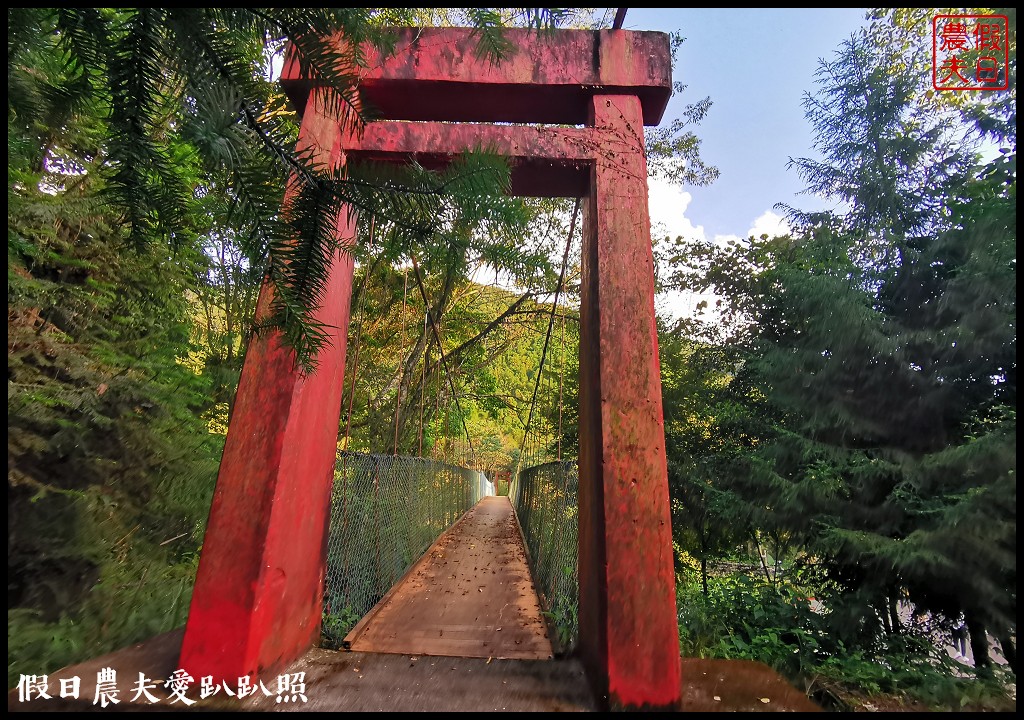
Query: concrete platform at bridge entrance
point(472, 585)
point(374, 682)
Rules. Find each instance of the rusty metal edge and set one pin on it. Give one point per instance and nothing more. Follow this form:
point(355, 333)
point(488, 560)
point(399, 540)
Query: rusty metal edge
point(360, 626)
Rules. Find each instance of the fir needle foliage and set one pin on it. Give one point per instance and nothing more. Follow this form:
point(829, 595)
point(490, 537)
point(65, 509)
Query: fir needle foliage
point(866, 363)
point(176, 88)
point(148, 153)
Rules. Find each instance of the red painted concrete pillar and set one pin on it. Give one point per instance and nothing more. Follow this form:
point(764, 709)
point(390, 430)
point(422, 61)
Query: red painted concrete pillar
point(257, 600)
point(628, 626)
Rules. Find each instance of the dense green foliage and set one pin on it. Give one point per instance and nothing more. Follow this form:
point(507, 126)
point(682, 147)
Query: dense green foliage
point(147, 153)
point(743, 616)
point(853, 407)
point(179, 90)
point(845, 429)
point(110, 464)
point(405, 395)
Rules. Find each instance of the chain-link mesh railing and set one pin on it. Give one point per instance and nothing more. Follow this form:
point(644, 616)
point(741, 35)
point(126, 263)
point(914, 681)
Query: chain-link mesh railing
point(386, 510)
point(544, 497)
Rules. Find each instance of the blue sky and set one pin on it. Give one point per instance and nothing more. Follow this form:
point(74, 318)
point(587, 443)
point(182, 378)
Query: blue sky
point(755, 64)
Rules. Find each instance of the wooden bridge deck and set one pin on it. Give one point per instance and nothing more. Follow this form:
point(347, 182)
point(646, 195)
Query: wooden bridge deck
point(470, 596)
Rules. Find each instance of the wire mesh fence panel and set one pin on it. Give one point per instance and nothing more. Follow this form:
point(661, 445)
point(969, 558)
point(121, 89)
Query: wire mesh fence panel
point(386, 510)
point(545, 501)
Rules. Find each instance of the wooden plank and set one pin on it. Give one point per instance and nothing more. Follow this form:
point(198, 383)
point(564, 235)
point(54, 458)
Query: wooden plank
point(358, 628)
point(470, 596)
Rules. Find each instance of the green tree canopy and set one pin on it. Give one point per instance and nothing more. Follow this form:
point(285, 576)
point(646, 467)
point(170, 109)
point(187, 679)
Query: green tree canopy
point(876, 355)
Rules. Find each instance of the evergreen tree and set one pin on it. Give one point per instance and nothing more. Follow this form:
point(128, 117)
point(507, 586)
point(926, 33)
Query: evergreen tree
point(110, 462)
point(882, 338)
point(178, 87)
point(147, 153)
point(704, 444)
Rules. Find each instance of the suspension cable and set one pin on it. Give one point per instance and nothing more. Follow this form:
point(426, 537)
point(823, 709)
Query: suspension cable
point(401, 369)
point(423, 383)
point(352, 395)
point(444, 360)
point(551, 322)
point(359, 335)
point(561, 373)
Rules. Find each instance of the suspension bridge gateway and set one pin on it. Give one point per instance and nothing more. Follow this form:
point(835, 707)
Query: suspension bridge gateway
point(579, 101)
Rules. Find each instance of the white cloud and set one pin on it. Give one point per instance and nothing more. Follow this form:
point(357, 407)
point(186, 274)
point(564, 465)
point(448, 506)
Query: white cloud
point(668, 205)
point(723, 240)
point(770, 224)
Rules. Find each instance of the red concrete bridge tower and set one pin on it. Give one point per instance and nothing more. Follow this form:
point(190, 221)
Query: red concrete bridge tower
point(587, 96)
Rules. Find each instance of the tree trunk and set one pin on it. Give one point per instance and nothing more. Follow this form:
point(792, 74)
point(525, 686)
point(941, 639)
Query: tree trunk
point(764, 565)
point(894, 614)
point(1009, 651)
point(979, 646)
point(704, 575)
point(885, 619)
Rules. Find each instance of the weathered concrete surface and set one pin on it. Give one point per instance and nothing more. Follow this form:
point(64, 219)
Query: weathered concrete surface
point(353, 682)
point(470, 595)
point(628, 625)
point(438, 74)
point(339, 681)
point(544, 161)
point(157, 658)
point(404, 683)
point(259, 590)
